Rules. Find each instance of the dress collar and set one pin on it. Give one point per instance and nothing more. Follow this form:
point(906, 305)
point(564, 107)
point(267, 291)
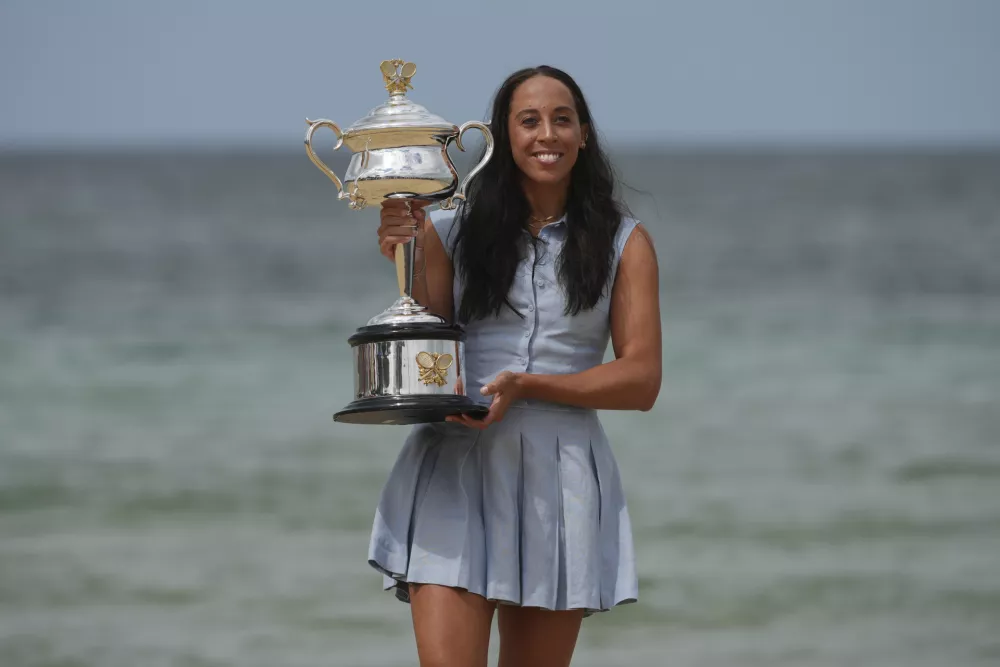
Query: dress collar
point(555, 224)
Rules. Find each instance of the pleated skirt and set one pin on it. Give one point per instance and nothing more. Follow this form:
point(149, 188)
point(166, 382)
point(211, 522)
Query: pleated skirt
point(528, 512)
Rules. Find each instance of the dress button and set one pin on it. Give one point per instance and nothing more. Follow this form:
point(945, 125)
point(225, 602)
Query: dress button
point(530, 308)
point(527, 334)
point(540, 283)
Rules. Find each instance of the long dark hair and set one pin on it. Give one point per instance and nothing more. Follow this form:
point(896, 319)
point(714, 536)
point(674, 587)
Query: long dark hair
point(490, 240)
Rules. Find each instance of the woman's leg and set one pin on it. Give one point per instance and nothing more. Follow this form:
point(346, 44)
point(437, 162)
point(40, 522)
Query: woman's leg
point(452, 626)
point(533, 637)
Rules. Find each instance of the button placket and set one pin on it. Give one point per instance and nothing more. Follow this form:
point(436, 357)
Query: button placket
point(536, 257)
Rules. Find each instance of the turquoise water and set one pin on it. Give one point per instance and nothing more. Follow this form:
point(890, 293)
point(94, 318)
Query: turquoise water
point(818, 484)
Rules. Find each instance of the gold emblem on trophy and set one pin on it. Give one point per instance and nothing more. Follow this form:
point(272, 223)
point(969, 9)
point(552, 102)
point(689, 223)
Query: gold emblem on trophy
point(397, 74)
point(434, 367)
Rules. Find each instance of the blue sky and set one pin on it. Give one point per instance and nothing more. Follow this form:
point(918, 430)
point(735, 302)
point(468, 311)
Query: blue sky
point(113, 72)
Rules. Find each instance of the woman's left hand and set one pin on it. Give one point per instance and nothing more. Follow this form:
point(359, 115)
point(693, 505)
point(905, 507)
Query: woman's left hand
point(505, 389)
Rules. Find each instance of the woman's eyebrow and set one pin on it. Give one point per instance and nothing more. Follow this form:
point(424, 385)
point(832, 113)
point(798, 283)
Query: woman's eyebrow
point(556, 110)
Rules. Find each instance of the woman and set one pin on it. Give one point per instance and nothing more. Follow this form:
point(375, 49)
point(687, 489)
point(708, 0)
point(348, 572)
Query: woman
point(522, 513)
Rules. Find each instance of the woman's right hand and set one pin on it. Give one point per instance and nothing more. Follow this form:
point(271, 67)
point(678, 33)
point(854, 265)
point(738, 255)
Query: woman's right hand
point(400, 223)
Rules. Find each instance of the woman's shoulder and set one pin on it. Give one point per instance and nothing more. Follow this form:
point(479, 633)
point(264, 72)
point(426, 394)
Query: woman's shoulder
point(444, 224)
point(625, 230)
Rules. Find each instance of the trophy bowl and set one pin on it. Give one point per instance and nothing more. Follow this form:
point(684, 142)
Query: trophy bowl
point(408, 362)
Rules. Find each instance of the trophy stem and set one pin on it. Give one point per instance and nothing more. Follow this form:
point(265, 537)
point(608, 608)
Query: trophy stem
point(405, 256)
point(405, 310)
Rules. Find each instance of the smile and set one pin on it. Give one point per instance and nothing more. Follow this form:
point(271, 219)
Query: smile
point(547, 157)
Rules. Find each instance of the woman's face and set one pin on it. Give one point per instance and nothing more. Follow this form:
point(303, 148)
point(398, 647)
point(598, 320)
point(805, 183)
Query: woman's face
point(545, 130)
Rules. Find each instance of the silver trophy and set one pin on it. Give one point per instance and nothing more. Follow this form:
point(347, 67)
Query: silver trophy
point(408, 362)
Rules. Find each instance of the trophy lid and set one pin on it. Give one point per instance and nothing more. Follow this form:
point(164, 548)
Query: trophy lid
point(399, 112)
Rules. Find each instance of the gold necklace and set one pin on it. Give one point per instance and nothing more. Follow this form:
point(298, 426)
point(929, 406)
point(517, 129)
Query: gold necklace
point(541, 222)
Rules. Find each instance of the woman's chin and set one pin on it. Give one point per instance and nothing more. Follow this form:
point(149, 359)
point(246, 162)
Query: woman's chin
point(547, 177)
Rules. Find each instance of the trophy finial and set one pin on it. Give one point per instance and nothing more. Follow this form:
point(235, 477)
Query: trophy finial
point(397, 74)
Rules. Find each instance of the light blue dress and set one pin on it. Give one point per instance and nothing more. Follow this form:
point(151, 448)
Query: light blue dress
point(529, 511)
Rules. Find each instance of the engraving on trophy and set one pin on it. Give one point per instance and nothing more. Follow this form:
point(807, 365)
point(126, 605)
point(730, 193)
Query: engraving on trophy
point(434, 367)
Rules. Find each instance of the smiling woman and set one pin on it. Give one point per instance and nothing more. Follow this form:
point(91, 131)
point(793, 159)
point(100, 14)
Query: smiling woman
point(523, 512)
point(544, 129)
point(548, 161)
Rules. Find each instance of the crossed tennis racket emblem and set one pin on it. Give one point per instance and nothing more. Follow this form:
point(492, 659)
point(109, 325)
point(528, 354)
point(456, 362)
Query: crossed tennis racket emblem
point(434, 367)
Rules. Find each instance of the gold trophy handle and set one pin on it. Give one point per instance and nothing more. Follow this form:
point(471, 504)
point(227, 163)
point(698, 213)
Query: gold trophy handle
point(313, 126)
point(451, 202)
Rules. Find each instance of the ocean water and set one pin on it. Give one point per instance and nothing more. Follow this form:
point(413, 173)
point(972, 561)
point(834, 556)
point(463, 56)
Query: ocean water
point(817, 486)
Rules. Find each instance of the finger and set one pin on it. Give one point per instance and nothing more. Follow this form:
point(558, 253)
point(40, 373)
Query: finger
point(498, 408)
point(395, 238)
point(399, 204)
point(473, 423)
point(393, 220)
point(491, 416)
point(388, 248)
point(465, 420)
point(398, 226)
point(395, 204)
point(402, 217)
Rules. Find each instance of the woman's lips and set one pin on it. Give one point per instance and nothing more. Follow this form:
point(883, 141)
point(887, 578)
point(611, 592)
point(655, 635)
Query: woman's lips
point(547, 157)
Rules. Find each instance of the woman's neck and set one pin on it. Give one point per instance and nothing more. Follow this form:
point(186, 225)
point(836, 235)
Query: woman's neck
point(546, 201)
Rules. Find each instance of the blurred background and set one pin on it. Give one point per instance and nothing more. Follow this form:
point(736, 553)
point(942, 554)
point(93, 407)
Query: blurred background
point(818, 484)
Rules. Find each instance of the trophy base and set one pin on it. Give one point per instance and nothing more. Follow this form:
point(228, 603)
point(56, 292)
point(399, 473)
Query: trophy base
point(408, 409)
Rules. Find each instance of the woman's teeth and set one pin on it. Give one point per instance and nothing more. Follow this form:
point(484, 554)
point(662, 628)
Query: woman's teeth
point(548, 158)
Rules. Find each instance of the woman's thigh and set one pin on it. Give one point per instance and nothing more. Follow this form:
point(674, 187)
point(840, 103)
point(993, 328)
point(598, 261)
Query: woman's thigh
point(533, 637)
point(451, 625)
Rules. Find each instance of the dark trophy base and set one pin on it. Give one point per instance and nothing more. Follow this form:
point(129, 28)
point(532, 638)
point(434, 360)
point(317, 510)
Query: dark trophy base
point(388, 389)
point(408, 410)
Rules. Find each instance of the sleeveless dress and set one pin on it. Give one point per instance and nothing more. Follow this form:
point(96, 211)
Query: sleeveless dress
point(529, 511)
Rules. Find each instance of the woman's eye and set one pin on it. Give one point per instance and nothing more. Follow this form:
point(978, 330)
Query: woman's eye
point(529, 121)
point(562, 119)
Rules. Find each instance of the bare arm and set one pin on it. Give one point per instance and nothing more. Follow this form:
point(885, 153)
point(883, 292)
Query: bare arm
point(632, 380)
